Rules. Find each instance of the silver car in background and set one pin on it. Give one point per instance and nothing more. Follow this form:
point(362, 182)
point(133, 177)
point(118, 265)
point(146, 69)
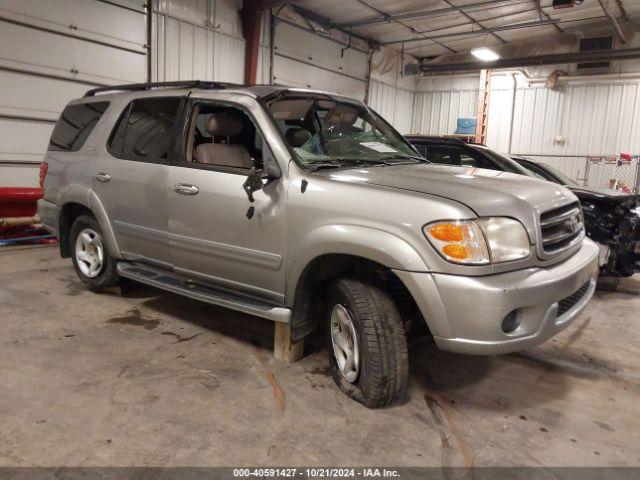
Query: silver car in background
point(307, 208)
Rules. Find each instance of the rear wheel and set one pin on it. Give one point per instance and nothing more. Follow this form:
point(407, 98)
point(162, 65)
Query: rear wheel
point(91, 259)
point(367, 343)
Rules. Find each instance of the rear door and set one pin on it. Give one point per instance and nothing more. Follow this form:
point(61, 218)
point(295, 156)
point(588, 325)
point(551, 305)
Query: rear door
point(130, 177)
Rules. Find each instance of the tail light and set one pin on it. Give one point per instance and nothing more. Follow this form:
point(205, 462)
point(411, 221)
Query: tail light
point(44, 166)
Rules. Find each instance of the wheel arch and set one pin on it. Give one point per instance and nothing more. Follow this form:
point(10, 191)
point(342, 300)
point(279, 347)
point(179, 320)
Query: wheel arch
point(75, 207)
point(338, 250)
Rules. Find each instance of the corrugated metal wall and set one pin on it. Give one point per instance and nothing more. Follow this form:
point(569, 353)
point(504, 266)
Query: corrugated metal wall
point(559, 126)
point(197, 40)
point(562, 127)
point(598, 119)
point(394, 103)
point(436, 112)
point(440, 101)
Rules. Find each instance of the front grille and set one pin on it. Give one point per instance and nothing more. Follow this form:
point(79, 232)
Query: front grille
point(569, 302)
point(560, 228)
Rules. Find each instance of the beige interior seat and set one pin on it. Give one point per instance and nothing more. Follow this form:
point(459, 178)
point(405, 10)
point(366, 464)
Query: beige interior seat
point(232, 155)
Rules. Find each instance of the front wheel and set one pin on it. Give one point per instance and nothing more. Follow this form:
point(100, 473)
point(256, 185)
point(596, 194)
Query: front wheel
point(91, 259)
point(367, 343)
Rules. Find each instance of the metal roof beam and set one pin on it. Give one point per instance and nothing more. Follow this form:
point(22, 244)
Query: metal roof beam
point(515, 26)
point(325, 22)
point(550, 59)
point(466, 15)
point(386, 18)
point(614, 22)
point(545, 14)
point(409, 27)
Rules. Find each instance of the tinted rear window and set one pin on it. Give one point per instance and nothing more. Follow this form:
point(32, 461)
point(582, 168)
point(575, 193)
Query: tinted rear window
point(142, 132)
point(75, 124)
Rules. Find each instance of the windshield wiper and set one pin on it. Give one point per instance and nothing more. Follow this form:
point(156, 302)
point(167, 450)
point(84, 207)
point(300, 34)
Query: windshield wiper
point(340, 162)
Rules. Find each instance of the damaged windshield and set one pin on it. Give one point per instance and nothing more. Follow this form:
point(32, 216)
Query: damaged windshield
point(326, 133)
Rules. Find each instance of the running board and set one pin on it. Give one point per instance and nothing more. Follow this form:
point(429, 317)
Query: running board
point(181, 285)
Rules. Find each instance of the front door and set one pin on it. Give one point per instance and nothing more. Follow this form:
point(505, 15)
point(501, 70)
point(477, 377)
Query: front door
point(216, 234)
point(131, 177)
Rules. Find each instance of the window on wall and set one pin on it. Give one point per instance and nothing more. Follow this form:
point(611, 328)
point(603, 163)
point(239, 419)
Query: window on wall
point(142, 132)
point(75, 124)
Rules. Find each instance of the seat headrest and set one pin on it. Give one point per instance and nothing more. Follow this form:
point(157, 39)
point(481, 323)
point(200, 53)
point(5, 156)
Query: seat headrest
point(223, 125)
point(342, 116)
point(297, 137)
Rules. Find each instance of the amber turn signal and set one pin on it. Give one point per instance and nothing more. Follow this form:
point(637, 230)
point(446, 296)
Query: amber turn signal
point(455, 251)
point(447, 232)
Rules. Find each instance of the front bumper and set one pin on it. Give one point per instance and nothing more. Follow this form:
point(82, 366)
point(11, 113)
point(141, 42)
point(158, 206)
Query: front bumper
point(465, 314)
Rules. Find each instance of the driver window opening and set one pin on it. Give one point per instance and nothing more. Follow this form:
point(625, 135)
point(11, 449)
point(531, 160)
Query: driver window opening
point(223, 136)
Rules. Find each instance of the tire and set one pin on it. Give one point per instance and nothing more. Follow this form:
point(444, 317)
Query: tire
point(96, 268)
point(378, 375)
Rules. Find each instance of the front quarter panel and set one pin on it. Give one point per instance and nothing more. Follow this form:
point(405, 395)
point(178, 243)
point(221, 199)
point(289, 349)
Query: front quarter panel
point(339, 215)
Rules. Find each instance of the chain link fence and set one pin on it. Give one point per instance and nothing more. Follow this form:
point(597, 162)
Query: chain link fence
point(615, 172)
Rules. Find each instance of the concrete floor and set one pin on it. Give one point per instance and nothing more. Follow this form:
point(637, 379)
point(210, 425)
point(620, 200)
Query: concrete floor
point(150, 378)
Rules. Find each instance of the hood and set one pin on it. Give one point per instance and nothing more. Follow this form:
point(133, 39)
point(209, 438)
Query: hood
point(615, 196)
point(486, 192)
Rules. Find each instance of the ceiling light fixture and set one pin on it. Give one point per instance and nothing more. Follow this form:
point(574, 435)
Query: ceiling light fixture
point(485, 54)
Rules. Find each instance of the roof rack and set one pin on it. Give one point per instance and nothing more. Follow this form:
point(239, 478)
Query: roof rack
point(178, 84)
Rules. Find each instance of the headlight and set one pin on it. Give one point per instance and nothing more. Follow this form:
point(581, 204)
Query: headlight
point(479, 242)
point(507, 239)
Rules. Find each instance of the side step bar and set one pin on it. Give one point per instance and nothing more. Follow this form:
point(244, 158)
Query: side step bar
point(178, 284)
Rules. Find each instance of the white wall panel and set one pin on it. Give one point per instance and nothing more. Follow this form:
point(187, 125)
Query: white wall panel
point(303, 45)
point(226, 18)
point(221, 15)
point(228, 59)
point(382, 99)
point(305, 59)
point(436, 112)
point(52, 51)
point(291, 72)
point(594, 119)
point(29, 96)
point(501, 103)
point(394, 104)
point(404, 110)
point(22, 146)
point(185, 50)
point(44, 52)
point(263, 69)
point(99, 21)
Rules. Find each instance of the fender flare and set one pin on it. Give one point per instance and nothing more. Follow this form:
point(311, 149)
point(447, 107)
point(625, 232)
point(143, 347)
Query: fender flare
point(96, 206)
point(88, 199)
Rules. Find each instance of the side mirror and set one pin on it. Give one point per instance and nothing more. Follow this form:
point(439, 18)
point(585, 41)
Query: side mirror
point(259, 172)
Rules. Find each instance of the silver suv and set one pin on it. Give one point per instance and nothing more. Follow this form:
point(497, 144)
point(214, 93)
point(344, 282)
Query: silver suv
point(307, 208)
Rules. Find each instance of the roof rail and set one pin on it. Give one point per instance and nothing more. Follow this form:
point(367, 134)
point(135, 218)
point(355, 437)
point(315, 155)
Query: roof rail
point(177, 84)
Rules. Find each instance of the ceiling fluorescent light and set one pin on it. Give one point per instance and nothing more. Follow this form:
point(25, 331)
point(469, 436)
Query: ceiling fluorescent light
point(485, 54)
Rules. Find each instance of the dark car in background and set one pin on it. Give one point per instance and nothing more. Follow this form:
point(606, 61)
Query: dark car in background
point(612, 219)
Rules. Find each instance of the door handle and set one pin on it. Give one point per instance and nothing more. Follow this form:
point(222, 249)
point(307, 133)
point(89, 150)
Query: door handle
point(103, 177)
point(186, 189)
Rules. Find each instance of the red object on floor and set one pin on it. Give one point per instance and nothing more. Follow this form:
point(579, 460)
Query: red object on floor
point(29, 235)
point(19, 202)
